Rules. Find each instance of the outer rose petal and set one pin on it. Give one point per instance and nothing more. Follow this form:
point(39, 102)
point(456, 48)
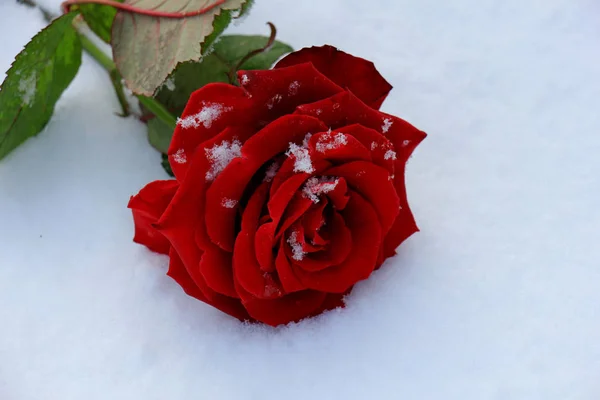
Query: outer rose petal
point(147, 207)
point(357, 74)
point(217, 106)
point(277, 92)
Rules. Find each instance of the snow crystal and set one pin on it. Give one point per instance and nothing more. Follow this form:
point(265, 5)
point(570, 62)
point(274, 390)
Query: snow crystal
point(387, 124)
point(316, 186)
point(27, 88)
point(318, 111)
point(303, 162)
point(209, 113)
point(405, 143)
point(330, 142)
point(297, 250)
point(271, 172)
point(389, 155)
point(228, 203)
point(179, 157)
point(374, 145)
point(293, 89)
point(274, 100)
point(221, 155)
point(170, 84)
point(245, 79)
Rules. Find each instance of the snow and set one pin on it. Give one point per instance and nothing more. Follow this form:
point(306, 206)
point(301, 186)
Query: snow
point(298, 252)
point(328, 141)
point(228, 203)
point(389, 155)
point(180, 157)
point(387, 124)
point(170, 83)
point(293, 88)
point(207, 115)
point(302, 162)
point(220, 155)
point(274, 100)
point(317, 186)
point(271, 172)
point(496, 298)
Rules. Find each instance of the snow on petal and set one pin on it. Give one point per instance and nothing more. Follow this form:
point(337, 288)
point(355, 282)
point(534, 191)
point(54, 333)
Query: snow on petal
point(274, 100)
point(245, 79)
point(298, 252)
point(389, 155)
point(179, 157)
point(374, 145)
point(387, 124)
point(271, 172)
point(293, 88)
point(303, 162)
point(207, 115)
point(221, 155)
point(330, 142)
point(316, 186)
point(228, 203)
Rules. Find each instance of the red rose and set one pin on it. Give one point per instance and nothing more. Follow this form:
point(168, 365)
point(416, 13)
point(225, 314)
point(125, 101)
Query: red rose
point(290, 189)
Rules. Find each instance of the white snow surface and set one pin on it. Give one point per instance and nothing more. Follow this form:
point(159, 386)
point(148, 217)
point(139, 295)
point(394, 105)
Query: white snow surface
point(498, 296)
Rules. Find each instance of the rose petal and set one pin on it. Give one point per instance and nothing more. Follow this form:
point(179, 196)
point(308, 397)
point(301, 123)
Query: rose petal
point(288, 279)
point(345, 109)
point(364, 226)
point(404, 225)
point(232, 182)
point(228, 305)
point(372, 182)
point(290, 308)
point(357, 74)
point(147, 207)
point(180, 275)
point(338, 146)
point(246, 270)
point(209, 110)
point(335, 252)
point(217, 269)
point(280, 91)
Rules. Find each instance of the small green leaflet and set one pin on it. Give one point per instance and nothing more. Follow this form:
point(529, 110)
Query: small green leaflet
point(147, 49)
point(37, 78)
point(190, 76)
point(99, 18)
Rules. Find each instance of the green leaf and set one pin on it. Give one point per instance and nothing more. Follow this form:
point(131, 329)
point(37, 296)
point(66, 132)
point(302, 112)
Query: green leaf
point(99, 18)
point(37, 78)
point(190, 76)
point(159, 135)
point(165, 164)
point(147, 49)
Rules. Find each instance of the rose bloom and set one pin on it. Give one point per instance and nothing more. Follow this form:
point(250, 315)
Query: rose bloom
point(289, 189)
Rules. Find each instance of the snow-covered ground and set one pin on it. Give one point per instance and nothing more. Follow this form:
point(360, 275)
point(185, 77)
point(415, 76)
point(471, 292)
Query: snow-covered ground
point(497, 298)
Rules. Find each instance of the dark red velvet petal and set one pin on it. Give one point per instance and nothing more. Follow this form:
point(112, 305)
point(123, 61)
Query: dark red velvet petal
point(296, 208)
point(362, 221)
point(339, 195)
point(279, 91)
point(147, 207)
point(231, 183)
point(335, 252)
point(346, 109)
point(228, 305)
point(357, 74)
point(209, 110)
point(288, 279)
point(290, 308)
point(217, 269)
point(180, 275)
point(372, 182)
point(404, 225)
point(247, 271)
point(378, 145)
point(338, 146)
